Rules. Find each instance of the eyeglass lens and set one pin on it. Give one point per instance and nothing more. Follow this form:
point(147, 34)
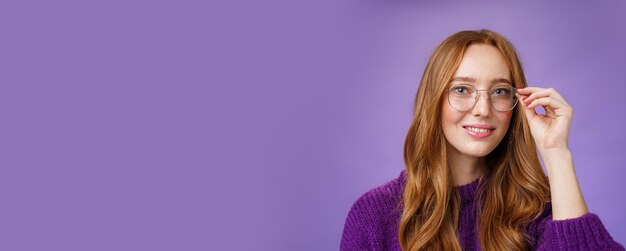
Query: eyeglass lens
point(464, 97)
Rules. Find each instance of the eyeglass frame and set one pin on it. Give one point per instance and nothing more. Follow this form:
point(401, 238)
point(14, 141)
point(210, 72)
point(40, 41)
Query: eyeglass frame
point(476, 97)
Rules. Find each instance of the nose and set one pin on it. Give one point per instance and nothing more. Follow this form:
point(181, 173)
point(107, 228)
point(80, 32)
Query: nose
point(483, 105)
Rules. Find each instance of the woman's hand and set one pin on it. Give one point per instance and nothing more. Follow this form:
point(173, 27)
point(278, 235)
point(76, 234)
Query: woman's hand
point(550, 130)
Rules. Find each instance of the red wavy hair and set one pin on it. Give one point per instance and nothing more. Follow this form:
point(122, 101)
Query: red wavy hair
point(516, 187)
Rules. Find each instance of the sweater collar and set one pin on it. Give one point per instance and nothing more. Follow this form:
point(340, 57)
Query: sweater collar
point(467, 192)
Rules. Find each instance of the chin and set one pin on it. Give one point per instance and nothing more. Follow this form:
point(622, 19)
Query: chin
point(477, 152)
point(472, 148)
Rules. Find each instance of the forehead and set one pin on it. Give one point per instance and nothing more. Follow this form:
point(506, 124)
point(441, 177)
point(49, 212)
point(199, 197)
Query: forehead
point(482, 65)
point(471, 80)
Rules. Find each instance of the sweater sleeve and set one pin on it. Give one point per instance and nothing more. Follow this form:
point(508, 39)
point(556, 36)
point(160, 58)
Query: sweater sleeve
point(354, 235)
point(582, 233)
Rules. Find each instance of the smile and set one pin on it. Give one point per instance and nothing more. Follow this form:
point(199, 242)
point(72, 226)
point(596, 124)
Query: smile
point(478, 132)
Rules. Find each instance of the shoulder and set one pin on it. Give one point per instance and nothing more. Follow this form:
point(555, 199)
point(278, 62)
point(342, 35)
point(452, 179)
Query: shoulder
point(383, 196)
point(380, 201)
point(374, 216)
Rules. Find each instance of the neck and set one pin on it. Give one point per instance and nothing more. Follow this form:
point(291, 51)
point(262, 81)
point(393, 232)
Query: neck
point(465, 168)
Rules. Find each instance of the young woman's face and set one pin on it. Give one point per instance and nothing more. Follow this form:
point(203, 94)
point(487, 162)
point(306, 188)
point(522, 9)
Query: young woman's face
point(477, 131)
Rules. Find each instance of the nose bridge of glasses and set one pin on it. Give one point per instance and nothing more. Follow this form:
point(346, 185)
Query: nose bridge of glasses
point(477, 95)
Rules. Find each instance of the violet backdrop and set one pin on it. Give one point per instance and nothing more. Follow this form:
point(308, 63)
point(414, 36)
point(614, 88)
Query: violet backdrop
point(193, 125)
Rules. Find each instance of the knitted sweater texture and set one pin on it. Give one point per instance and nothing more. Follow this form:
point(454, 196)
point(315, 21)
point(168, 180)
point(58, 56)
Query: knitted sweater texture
point(373, 221)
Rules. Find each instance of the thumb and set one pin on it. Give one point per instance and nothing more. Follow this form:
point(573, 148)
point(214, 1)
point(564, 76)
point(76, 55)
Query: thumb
point(530, 112)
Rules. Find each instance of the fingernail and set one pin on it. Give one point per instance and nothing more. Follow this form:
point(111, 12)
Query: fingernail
point(520, 87)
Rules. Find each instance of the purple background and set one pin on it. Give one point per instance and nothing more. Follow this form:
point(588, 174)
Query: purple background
point(185, 125)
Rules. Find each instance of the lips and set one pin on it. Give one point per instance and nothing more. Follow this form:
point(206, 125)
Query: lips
point(479, 131)
point(481, 126)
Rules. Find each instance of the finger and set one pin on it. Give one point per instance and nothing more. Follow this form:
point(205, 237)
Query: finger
point(523, 93)
point(549, 104)
point(521, 97)
point(542, 94)
point(528, 90)
point(537, 92)
point(550, 112)
point(530, 113)
point(557, 95)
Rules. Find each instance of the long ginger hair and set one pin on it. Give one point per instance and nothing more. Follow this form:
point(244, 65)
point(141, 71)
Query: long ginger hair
point(515, 189)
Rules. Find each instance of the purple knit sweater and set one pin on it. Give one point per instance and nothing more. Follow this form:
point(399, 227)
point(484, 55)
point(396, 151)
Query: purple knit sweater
point(373, 220)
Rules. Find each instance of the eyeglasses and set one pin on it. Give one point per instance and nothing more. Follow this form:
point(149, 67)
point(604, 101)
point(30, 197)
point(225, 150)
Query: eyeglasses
point(463, 97)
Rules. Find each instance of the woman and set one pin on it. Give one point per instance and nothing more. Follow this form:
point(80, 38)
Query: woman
point(473, 178)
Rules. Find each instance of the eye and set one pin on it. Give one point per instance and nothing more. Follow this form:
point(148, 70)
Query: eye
point(502, 91)
point(460, 90)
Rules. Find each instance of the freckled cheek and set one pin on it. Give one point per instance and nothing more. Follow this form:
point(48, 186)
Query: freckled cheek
point(505, 119)
point(451, 122)
point(451, 118)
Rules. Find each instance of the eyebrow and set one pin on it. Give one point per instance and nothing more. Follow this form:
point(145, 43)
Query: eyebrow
point(473, 80)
